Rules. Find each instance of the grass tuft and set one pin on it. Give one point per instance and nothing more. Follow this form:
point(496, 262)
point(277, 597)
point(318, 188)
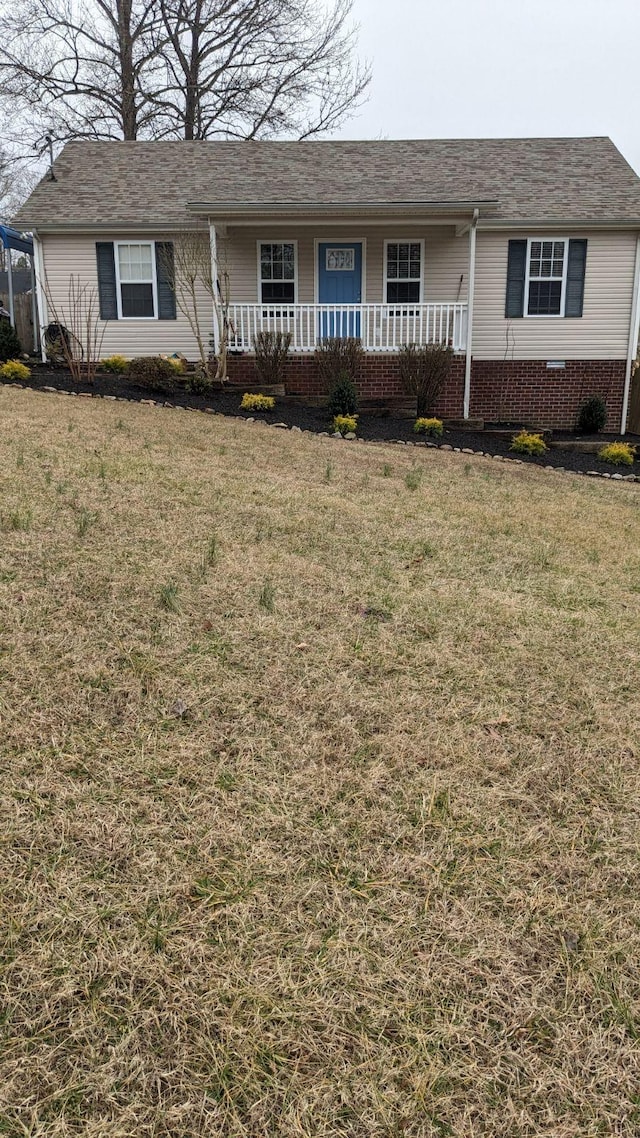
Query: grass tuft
point(267, 598)
point(169, 597)
point(413, 478)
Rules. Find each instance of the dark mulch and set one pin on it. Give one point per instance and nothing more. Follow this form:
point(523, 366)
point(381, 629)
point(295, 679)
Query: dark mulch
point(374, 426)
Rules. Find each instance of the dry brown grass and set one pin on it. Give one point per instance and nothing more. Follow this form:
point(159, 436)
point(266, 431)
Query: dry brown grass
point(328, 826)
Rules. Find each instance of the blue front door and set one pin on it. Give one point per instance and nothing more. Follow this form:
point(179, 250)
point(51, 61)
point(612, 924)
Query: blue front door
point(340, 283)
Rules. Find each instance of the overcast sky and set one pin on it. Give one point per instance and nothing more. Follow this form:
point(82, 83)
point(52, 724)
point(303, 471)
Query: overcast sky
point(501, 68)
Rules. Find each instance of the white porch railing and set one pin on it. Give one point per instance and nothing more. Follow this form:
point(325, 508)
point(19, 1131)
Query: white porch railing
point(381, 327)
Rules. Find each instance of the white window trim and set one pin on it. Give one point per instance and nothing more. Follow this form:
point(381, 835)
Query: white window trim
point(277, 241)
point(385, 269)
point(342, 240)
point(563, 296)
point(154, 278)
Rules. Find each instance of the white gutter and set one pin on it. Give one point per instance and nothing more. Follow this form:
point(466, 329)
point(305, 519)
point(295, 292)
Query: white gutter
point(470, 299)
point(634, 329)
point(43, 314)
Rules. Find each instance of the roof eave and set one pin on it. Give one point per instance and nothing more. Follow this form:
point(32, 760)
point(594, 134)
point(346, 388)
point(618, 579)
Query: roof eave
point(560, 223)
point(255, 210)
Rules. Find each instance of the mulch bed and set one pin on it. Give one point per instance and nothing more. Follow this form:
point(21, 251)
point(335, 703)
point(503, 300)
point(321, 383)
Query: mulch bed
point(373, 427)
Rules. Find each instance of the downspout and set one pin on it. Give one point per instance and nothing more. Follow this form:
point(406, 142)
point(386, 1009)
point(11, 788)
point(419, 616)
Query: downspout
point(43, 316)
point(213, 241)
point(34, 306)
point(634, 329)
point(470, 301)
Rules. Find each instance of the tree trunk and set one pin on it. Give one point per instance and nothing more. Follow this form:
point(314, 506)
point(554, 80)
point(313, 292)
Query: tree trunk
point(127, 72)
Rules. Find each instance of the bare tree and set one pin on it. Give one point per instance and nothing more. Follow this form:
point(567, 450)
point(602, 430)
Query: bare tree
point(77, 331)
point(192, 69)
point(187, 266)
point(81, 70)
point(16, 182)
point(256, 68)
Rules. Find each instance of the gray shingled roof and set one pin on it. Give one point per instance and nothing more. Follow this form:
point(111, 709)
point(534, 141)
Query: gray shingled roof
point(530, 179)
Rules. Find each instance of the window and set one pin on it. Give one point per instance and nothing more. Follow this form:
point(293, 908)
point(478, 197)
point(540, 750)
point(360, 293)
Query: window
point(546, 278)
point(135, 265)
point(404, 272)
point(277, 271)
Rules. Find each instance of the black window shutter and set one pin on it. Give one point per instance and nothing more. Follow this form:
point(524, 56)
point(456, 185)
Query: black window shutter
point(516, 273)
point(165, 277)
point(575, 278)
point(106, 262)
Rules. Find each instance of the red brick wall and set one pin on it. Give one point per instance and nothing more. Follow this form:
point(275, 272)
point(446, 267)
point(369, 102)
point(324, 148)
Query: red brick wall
point(528, 391)
point(501, 390)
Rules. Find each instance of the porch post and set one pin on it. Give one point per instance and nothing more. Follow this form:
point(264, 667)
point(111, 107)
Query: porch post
point(470, 299)
point(12, 311)
point(213, 241)
point(634, 328)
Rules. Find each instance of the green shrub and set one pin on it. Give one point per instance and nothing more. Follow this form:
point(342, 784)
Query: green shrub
point(116, 364)
point(620, 454)
point(153, 372)
point(346, 424)
point(592, 416)
point(424, 370)
point(200, 382)
point(257, 402)
point(338, 356)
point(433, 427)
point(272, 349)
point(10, 346)
point(343, 396)
point(528, 442)
point(14, 371)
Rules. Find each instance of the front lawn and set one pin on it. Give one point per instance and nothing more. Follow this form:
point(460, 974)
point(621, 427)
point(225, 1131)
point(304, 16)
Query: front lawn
point(319, 785)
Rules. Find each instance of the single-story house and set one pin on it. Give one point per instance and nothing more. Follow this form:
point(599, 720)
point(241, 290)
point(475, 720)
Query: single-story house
point(522, 254)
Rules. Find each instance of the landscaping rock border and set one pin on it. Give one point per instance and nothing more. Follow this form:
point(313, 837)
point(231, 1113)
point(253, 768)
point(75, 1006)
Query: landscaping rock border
point(549, 469)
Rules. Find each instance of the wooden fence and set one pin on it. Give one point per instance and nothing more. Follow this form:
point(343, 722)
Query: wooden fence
point(24, 318)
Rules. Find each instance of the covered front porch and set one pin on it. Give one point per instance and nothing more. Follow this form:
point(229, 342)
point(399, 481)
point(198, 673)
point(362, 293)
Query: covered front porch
point(389, 275)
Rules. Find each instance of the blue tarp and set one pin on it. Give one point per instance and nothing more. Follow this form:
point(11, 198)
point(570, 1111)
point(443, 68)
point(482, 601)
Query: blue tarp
point(12, 239)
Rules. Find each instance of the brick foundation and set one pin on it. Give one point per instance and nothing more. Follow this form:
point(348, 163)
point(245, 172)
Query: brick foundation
point(528, 391)
point(523, 391)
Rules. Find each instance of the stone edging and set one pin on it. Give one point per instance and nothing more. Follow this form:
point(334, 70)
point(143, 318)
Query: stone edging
point(327, 435)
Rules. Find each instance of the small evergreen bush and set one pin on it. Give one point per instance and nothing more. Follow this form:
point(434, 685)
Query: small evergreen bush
point(257, 402)
point(343, 396)
point(592, 416)
point(528, 442)
point(200, 383)
point(15, 372)
point(10, 346)
point(620, 454)
point(153, 372)
point(433, 427)
point(345, 424)
point(116, 365)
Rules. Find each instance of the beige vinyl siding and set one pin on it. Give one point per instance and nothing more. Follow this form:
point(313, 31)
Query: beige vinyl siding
point(446, 258)
point(67, 256)
point(601, 333)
